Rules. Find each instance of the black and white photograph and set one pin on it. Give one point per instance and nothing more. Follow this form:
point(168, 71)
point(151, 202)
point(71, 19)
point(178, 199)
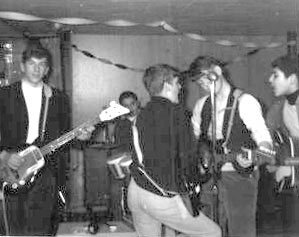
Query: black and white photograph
point(149, 118)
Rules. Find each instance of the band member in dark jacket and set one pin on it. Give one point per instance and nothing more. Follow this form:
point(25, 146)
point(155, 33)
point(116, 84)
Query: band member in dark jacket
point(32, 112)
point(123, 131)
point(163, 150)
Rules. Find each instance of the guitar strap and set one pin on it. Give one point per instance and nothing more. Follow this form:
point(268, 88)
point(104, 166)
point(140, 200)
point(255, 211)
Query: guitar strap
point(237, 93)
point(48, 94)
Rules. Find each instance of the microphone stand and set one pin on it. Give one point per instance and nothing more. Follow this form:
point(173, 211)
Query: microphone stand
point(213, 163)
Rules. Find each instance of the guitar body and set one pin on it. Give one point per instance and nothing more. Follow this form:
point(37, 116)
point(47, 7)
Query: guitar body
point(21, 178)
point(286, 151)
point(205, 158)
point(257, 156)
point(284, 145)
point(192, 188)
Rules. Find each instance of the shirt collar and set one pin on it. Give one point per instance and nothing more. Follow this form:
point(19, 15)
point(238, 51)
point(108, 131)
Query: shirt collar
point(291, 98)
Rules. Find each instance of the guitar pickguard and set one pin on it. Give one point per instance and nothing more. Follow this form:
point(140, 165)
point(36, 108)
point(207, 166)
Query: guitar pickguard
point(33, 161)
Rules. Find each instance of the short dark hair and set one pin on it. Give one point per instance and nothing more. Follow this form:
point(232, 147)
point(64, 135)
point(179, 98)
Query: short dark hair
point(127, 94)
point(205, 62)
point(35, 49)
point(287, 64)
point(155, 76)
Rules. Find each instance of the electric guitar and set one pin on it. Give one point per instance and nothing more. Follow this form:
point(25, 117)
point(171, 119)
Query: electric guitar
point(257, 157)
point(33, 157)
point(284, 175)
point(281, 155)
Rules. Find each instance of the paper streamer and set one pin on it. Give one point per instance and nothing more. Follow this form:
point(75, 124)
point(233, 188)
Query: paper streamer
point(124, 23)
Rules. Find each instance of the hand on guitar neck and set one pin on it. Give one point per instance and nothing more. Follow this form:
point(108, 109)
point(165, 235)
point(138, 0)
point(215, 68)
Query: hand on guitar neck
point(85, 133)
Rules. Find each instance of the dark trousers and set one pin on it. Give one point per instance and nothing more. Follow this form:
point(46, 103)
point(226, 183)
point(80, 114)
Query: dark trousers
point(237, 204)
point(290, 212)
point(33, 212)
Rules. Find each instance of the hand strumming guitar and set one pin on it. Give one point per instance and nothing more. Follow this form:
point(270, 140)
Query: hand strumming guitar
point(244, 162)
point(14, 161)
point(85, 133)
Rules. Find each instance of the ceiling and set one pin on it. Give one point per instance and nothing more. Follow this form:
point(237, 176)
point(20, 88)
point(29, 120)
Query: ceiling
point(204, 17)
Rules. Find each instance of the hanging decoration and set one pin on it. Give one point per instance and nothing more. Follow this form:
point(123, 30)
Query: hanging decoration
point(124, 67)
point(161, 24)
point(123, 23)
point(107, 61)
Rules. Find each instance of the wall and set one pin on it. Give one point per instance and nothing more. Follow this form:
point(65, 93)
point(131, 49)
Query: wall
point(19, 45)
point(96, 83)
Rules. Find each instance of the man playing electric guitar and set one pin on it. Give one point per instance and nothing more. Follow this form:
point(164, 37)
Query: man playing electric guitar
point(239, 123)
point(31, 110)
point(284, 115)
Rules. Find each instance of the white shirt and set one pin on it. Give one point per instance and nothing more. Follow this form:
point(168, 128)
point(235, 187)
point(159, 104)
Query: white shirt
point(249, 111)
point(290, 119)
point(33, 99)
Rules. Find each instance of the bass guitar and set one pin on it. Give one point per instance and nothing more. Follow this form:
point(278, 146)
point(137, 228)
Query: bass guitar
point(33, 157)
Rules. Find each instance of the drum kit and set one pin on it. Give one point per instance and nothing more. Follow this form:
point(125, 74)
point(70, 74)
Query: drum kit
point(119, 165)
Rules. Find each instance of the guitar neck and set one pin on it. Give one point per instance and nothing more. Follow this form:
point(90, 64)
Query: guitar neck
point(52, 146)
point(258, 157)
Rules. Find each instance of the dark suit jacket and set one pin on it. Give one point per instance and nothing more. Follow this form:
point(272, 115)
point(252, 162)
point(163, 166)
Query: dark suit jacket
point(30, 212)
point(123, 135)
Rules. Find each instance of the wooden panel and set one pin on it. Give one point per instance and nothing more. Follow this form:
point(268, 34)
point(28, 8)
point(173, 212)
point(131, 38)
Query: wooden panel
point(76, 181)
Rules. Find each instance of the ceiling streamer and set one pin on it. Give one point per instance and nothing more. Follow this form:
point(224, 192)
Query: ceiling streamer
point(19, 16)
point(9, 15)
point(141, 70)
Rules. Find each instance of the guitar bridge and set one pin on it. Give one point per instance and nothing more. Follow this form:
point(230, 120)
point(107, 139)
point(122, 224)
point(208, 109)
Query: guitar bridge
point(33, 161)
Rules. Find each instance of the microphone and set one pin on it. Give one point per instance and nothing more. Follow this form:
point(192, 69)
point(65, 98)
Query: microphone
point(212, 76)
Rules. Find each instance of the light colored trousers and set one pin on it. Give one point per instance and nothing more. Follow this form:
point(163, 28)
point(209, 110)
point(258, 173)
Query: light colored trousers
point(150, 211)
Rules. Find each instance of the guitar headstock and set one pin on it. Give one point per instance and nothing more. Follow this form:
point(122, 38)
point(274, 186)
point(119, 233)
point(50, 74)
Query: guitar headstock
point(113, 111)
